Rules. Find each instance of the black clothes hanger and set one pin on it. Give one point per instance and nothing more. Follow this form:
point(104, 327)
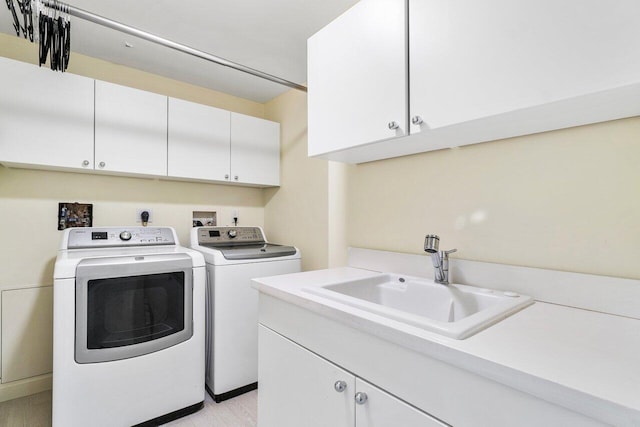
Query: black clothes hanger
point(55, 39)
point(16, 22)
point(27, 18)
point(44, 35)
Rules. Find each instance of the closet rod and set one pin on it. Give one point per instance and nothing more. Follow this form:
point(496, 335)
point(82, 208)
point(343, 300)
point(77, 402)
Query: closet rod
point(97, 19)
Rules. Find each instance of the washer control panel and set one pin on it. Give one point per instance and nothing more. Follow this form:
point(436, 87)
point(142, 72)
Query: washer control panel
point(229, 235)
point(104, 237)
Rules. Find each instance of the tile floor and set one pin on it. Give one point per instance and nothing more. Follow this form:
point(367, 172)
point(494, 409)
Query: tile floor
point(35, 411)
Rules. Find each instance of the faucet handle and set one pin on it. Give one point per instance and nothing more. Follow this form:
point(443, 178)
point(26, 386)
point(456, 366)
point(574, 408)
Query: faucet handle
point(450, 251)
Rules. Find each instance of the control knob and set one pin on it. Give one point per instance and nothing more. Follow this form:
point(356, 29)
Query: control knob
point(232, 233)
point(125, 235)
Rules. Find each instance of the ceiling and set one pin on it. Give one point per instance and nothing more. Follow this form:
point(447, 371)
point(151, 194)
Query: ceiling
point(267, 35)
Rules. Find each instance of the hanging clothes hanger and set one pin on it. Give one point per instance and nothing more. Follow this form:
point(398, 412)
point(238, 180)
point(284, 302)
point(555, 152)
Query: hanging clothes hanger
point(16, 22)
point(54, 36)
point(55, 42)
point(66, 48)
point(27, 18)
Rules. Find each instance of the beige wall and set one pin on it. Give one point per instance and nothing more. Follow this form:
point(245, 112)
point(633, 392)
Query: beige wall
point(29, 208)
point(29, 199)
point(338, 213)
point(566, 200)
point(297, 212)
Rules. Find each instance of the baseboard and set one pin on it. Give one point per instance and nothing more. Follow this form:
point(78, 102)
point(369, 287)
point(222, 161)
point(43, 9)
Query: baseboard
point(26, 387)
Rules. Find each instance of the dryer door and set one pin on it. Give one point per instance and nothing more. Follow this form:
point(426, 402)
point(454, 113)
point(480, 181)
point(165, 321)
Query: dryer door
point(131, 306)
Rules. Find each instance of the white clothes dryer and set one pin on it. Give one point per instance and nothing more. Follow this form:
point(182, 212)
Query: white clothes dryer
point(234, 256)
point(128, 328)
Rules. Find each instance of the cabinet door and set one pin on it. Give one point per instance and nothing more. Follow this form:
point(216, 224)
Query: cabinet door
point(198, 141)
point(130, 131)
point(255, 150)
point(46, 118)
point(27, 333)
point(471, 60)
point(357, 77)
point(383, 410)
point(296, 387)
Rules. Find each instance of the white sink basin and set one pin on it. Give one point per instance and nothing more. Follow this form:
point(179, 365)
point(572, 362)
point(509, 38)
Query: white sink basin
point(457, 311)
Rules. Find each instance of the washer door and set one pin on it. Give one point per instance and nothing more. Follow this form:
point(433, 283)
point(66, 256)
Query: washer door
point(131, 306)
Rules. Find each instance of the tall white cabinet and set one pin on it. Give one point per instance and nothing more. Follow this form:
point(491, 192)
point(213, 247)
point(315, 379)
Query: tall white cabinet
point(130, 130)
point(46, 118)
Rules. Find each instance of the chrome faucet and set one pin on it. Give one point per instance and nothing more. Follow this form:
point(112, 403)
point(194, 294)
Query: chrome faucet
point(439, 258)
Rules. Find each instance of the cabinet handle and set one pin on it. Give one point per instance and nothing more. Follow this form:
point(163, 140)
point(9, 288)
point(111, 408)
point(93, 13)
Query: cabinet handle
point(85, 163)
point(417, 120)
point(340, 386)
point(226, 176)
point(393, 125)
point(102, 164)
point(361, 398)
point(235, 177)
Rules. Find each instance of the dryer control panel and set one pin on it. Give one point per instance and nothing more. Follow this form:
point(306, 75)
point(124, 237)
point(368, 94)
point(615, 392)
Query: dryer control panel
point(106, 237)
point(224, 236)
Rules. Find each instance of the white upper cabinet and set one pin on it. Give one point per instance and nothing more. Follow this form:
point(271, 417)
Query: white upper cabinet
point(478, 71)
point(130, 130)
point(255, 150)
point(357, 77)
point(470, 60)
point(52, 120)
point(199, 141)
point(46, 118)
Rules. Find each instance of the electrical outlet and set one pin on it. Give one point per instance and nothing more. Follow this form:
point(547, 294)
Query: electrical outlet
point(139, 215)
point(234, 216)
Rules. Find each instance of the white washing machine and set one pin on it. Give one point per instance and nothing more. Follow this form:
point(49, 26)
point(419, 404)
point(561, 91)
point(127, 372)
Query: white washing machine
point(128, 327)
point(234, 256)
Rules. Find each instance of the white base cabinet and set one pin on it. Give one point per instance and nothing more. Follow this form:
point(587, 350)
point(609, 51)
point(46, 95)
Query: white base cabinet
point(296, 387)
point(380, 409)
point(302, 353)
point(299, 388)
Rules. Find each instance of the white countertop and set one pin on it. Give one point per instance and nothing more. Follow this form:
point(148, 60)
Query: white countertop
point(584, 360)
